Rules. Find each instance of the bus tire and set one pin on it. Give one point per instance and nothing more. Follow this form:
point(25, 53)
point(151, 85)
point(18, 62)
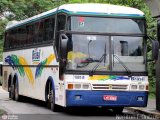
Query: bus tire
point(17, 96)
point(9, 86)
point(118, 110)
point(9, 90)
point(13, 92)
point(51, 99)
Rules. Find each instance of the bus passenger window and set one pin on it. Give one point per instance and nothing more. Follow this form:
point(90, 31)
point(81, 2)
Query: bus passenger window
point(7, 37)
point(41, 31)
point(36, 32)
point(61, 22)
point(49, 29)
point(11, 39)
point(46, 26)
point(22, 40)
point(15, 38)
point(30, 31)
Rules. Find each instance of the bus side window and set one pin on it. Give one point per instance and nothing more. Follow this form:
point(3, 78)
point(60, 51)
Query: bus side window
point(36, 32)
point(41, 31)
point(22, 37)
point(18, 37)
point(10, 39)
point(14, 38)
point(51, 28)
point(28, 30)
point(61, 21)
point(6, 43)
point(30, 34)
point(46, 26)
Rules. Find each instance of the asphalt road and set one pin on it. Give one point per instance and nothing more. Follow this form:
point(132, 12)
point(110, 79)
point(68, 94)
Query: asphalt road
point(29, 109)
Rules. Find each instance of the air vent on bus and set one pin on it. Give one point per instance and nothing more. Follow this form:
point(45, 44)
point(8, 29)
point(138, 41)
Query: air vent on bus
point(109, 87)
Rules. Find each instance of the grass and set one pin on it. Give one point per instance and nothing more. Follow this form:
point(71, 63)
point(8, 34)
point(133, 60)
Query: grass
point(152, 96)
point(152, 92)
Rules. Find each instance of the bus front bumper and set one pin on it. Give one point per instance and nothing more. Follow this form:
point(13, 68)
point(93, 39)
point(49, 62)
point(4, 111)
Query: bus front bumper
point(97, 98)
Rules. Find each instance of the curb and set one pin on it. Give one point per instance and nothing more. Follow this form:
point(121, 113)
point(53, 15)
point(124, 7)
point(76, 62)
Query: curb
point(151, 112)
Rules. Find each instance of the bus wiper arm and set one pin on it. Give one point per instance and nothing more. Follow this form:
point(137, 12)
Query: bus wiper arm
point(97, 65)
point(100, 60)
point(126, 68)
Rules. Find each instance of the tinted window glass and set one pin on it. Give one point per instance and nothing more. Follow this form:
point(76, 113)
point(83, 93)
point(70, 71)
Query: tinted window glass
point(107, 25)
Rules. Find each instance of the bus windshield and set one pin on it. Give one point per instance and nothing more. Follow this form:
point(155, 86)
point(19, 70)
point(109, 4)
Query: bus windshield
point(107, 25)
point(86, 51)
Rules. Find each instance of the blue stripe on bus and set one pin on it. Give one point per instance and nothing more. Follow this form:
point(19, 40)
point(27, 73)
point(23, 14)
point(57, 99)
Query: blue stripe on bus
point(95, 98)
point(78, 13)
point(107, 14)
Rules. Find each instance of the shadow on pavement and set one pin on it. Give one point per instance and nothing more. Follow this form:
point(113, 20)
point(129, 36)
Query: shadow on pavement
point(76, 111)
point(36, 102)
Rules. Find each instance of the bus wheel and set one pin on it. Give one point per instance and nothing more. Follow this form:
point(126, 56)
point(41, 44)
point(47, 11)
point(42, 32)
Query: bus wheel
point(9, 90)
point(51, 100)
point(118, 110)
point(9, 86)
point(17, 97)
point(13, 91)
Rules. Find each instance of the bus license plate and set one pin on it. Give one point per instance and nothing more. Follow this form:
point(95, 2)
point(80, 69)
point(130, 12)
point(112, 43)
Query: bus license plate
point(110, 98)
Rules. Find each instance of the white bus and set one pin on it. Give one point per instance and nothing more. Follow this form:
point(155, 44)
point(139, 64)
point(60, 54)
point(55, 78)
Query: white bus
point(79, 55)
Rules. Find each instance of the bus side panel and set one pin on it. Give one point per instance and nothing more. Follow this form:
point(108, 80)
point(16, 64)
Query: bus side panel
point(33, 67)
point(6, 72)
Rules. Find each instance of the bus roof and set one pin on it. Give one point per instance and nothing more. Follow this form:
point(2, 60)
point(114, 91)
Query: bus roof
point(93, 9)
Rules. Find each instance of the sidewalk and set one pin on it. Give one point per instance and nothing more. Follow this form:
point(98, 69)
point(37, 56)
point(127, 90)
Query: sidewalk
point(2, 91)
point(3, 94)
point(150, 109)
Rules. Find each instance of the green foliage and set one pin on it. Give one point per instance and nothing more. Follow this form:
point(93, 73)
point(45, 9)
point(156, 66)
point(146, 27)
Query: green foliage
point(22, 9)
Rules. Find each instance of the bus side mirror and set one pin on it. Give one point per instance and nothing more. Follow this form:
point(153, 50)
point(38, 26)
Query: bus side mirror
point(63, 48)
point(155, 50)
point(1, 69)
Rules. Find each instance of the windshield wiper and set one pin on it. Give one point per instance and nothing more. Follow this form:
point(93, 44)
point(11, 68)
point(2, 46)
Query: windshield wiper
point(86, 62)
point(100, 60)
point(126, 68)
point(104, 58)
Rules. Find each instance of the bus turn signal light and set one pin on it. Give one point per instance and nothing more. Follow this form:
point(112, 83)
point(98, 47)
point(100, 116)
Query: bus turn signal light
point(70, 86)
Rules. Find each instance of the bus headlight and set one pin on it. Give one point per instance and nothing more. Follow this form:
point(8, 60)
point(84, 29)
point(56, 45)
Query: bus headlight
point(141, 87)
point(134, 87)
point(86, 86)
point(79, 86)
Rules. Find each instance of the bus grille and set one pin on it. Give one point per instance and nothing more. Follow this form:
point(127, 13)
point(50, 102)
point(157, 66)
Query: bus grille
point(109, 87)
